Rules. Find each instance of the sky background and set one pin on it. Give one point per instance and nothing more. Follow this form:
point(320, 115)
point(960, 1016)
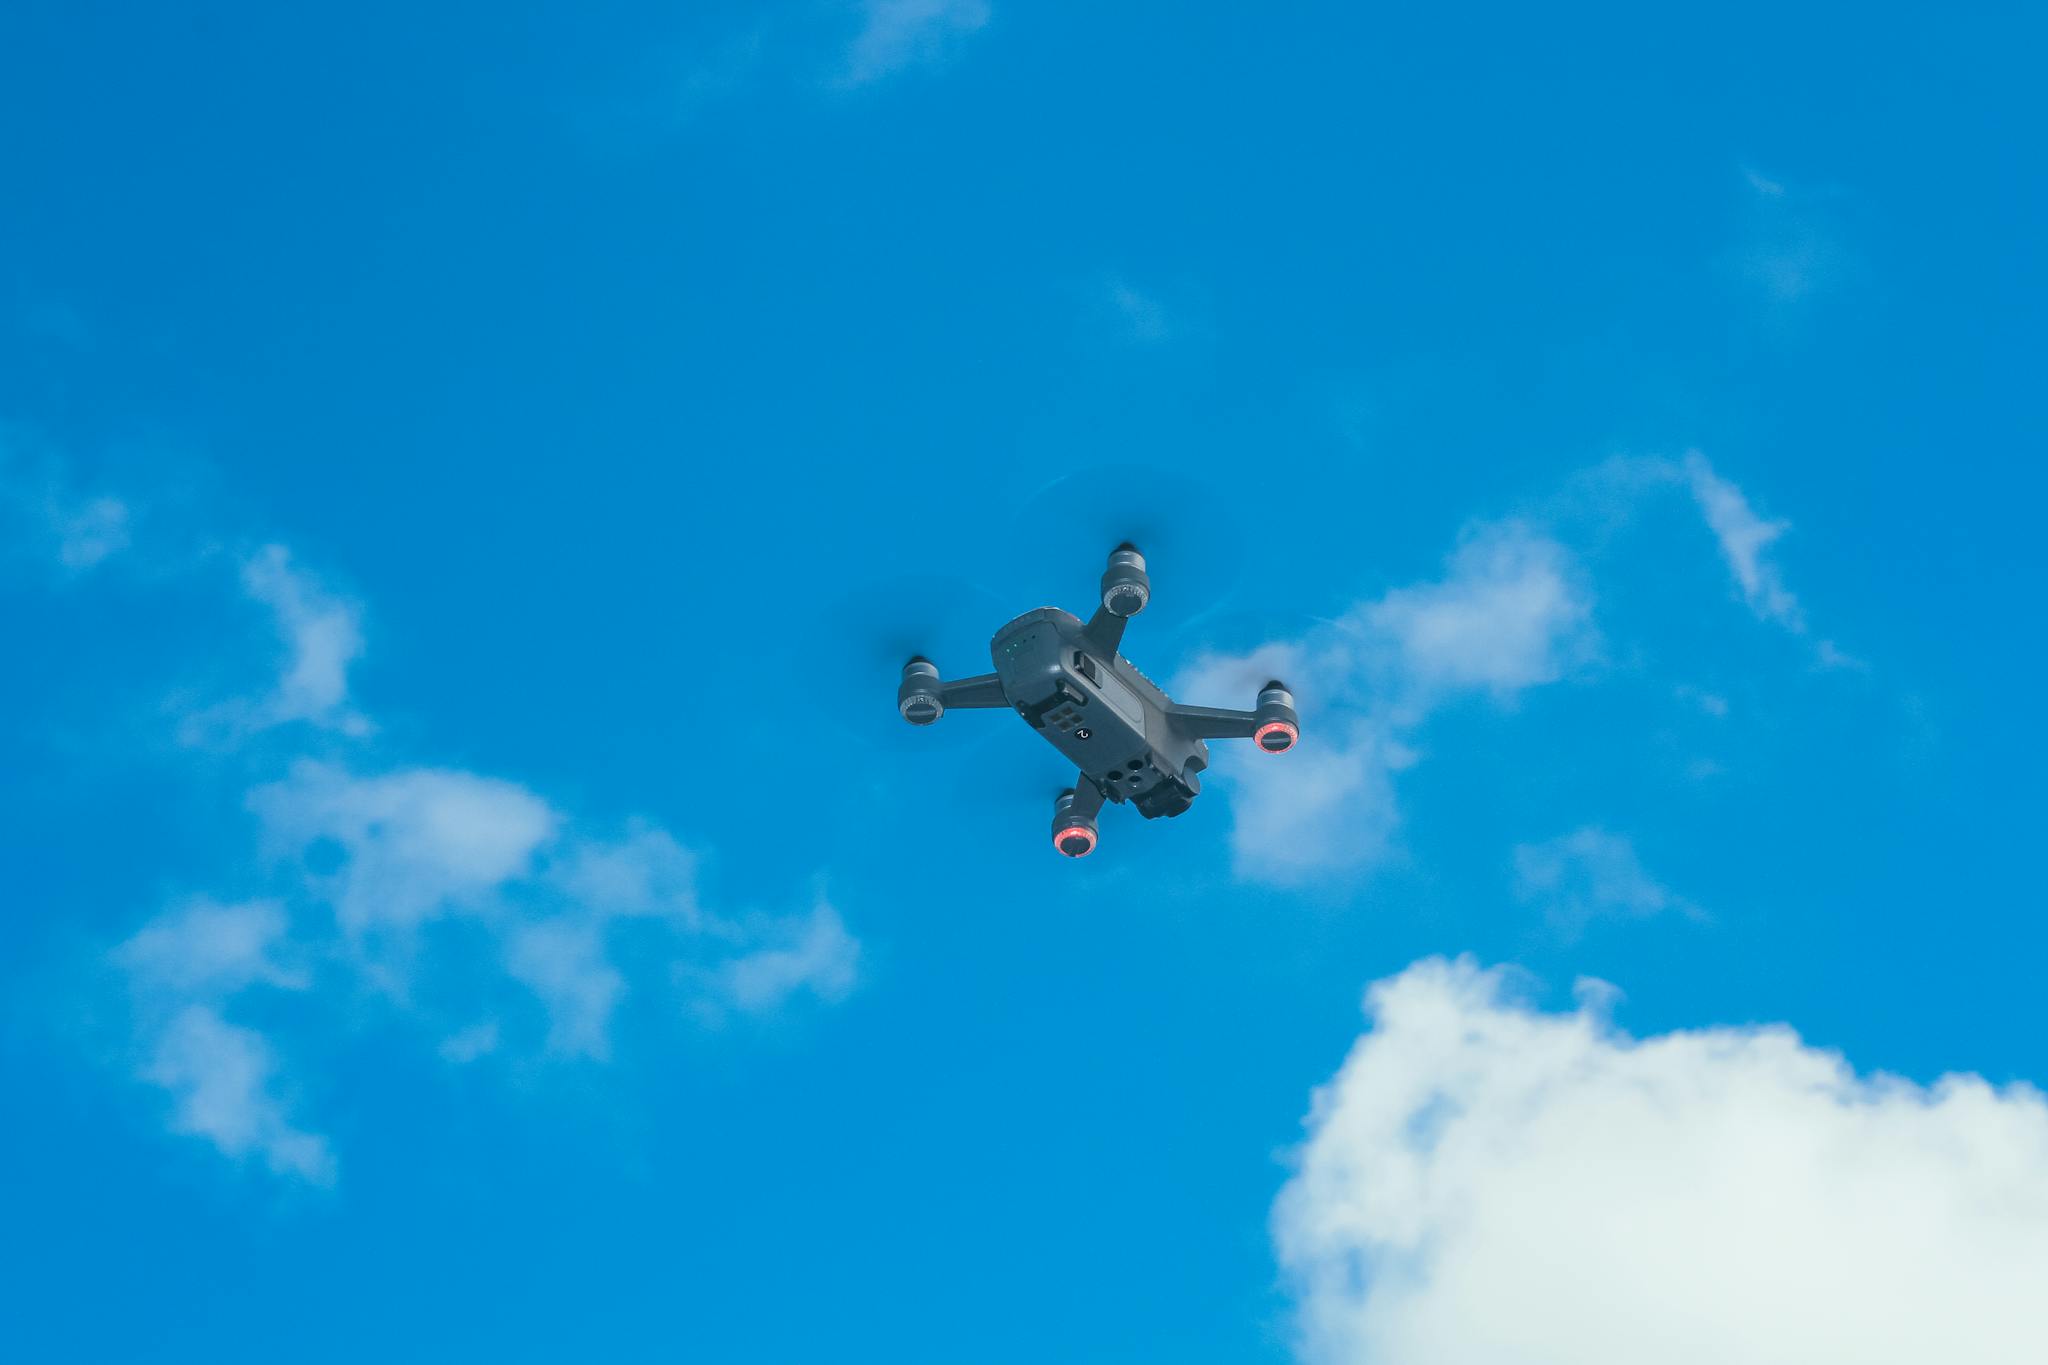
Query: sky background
point(468, 477)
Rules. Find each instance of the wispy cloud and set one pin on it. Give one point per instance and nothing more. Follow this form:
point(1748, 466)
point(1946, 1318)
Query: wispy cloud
point(1336, 810)
point(815, 955)
point(201, 948)
point(1763, 184)
point(469, 1044)
point(322, 634)
point(182, 969)
point(46, 513)
point(1790, 249)
point(1139, 316)
point(896, 34)
point(90, 532)
point(362, 863)
point(1709, 703)
point(1485, 1181)
point(786, 53)
point(1746, 540)
point(1511, 612)
point(368, 872)
point(407, 844)
point(1591, 874)
point(222, 1082)
point(564, 961)
point(318, 637)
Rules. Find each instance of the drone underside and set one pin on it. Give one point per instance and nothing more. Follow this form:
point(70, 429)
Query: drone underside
point(1131, 742)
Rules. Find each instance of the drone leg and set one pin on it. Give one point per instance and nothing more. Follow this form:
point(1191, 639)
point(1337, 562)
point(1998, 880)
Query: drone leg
point(1073, 818)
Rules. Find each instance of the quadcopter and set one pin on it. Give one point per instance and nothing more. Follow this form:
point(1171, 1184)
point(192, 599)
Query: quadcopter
point(1131, 741)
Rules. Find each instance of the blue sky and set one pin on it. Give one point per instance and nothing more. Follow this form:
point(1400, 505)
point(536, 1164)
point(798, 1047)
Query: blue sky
point(462, 476)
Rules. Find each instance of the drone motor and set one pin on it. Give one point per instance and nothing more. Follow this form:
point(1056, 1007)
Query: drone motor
point(1072, 832)
point(917, 696)
point(1279, 725)
point(1126, 587)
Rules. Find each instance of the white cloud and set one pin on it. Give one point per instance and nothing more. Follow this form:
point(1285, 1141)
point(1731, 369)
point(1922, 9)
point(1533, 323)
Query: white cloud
point(535, 907)
point(1140, 317)
point(1790, 247)
point(1483, 1182)
point(220, 1077)
point(1510, 612)
point(90, 532)
point(1830, 655)
point(1590, 874)
point(900, 33)
point(1711, 703)
point(565, 963)
point(820, 957)
point(391, 851)
point(1325, 806)
point(1507, 616)
point(180, 968)
point(1746, 539)
point(414, 843)
point(466, 1045)
point(322, 636)
point(43, 511)
point(364, 855)
point(645, 875)
point(203, 948)
point(1763, 184)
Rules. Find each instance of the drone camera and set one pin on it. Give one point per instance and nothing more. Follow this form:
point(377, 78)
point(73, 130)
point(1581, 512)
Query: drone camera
point(917, 696)
point(1279, 725)
point(1126, 587)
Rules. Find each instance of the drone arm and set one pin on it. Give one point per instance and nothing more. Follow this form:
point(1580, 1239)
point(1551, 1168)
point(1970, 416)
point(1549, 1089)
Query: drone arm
point(1274, 726)
point(1106, 629)
point(1087, 802)
point(984, 691)
point(1215, 722)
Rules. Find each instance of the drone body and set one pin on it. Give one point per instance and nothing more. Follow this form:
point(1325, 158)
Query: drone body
point(1130, 741)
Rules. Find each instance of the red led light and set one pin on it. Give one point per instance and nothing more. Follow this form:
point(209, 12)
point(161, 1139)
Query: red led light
point(1276, 727)
point(1061, 839)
